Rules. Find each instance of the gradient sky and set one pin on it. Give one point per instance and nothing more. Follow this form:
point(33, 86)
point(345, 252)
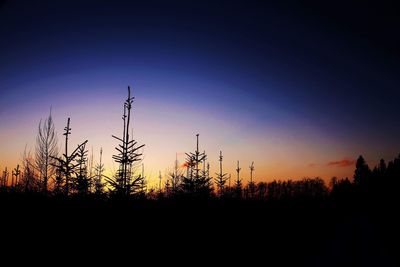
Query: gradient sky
point(300, 89)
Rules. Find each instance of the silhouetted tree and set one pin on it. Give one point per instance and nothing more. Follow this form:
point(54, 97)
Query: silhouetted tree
point(341, 188)
point(46, 151)
point(4, 177)
point(142, 184)
point(262, 190)
point(176, 178)
point(90, 171)
point(362, 173)
point(124, 183)
point(98, 178)
point(167, 188)
point(195, 183)
point(15, 173)
point(221, 178)
point(82, 181)
point(251, 187)
point(64, 165)
point(238, 183)
point(28, 181)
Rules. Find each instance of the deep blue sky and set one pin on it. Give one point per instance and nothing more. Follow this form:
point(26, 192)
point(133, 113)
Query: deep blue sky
point(334, 67)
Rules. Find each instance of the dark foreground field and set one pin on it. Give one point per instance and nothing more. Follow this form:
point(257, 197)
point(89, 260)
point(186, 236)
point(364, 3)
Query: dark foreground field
point(293, 232)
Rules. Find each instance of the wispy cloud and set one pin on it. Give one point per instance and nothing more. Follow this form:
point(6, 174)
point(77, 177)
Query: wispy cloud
point(346, 162)
point(312, 165)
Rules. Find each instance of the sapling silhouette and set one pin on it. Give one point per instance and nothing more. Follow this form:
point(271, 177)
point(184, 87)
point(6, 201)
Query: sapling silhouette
point(28, 180)
point(221, 178)
point(64, 165)
point(176, 176)
point(124, 183)
point(142, 184)
point(15, 173)
point(82, 181)
point(251, 186)
point(90, 171)
point(238, 183)
point(195, 183)
point(98, 178)
point(159, 182)
point(46, 151)
point(4, 178)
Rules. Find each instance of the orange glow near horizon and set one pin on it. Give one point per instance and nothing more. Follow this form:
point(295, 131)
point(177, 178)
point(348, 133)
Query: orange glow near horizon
point(290, 148)
point(277, 155)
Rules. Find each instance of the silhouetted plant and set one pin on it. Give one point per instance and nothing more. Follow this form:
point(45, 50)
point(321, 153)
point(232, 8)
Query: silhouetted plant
point(341, 188)
point(124, 183)
point(98, 178)
point(251, 187)
point(167, 188)
point(262, 190)
point(82, 181)
point(15, 173)
point(195, 183)
point(176, 179)
point(4, 177)
point(221, 178)
point(362, 173)
point(28, 180)
point(64, 165)
point(238, 183)
point(46, 151)
point(90, 169)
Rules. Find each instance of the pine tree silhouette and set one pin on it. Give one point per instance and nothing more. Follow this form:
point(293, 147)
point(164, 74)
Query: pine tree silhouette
point(362, 174)
point(195, 183)
point(82, 181)
point(124, 183)
point(98, 178)
point(251, 186)
point(221, 178)
point(238, 183)
point(65, 165)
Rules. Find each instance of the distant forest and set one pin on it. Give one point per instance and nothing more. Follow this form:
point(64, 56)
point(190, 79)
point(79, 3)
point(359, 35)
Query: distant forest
point(69, 172)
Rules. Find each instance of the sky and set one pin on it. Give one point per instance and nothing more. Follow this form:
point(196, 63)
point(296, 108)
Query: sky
point(301, 89)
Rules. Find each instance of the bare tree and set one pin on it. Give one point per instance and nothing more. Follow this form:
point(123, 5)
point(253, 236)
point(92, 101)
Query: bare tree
point(46, 151)
point(28, 180)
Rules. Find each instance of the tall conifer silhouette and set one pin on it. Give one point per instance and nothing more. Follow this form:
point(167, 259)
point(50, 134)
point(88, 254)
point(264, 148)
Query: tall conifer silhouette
point(124, 183)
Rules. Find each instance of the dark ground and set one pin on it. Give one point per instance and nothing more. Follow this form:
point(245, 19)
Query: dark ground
point(293, 232)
